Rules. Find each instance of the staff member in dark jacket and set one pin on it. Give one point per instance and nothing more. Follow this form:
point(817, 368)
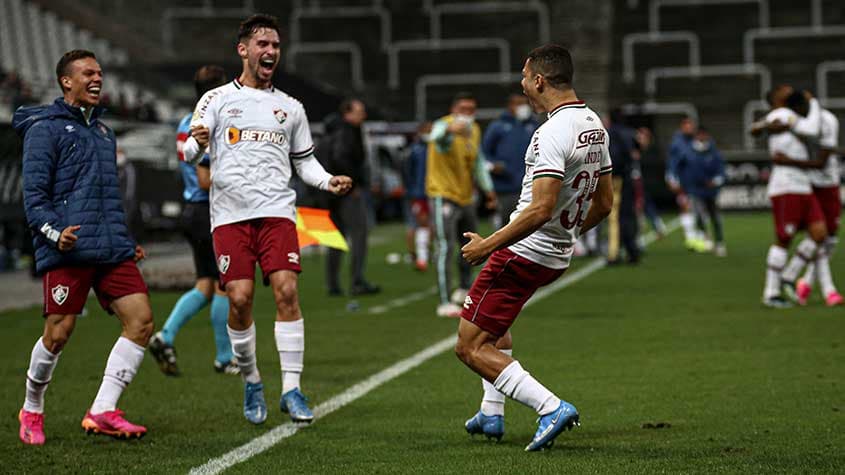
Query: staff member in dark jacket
point(347, 156)
point(504, 144)
point(73, 206)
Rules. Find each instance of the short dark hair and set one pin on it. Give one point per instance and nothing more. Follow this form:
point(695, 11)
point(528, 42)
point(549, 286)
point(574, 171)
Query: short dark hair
point(208, 77)
point(256, 22)
point(66, 59)
point(346, 104)
point(554, 63)
point(798, 102)
point(464, 96)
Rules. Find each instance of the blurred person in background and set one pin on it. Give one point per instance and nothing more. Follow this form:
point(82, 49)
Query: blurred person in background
point(794, 206)
point(196, 227)
point(706, 171)
point(623, 227)
point(345, 154)
point(73, 207)
point(678, 183)
point(504, 144)
point(649, 157)
point(419, 228)
point(455, 162)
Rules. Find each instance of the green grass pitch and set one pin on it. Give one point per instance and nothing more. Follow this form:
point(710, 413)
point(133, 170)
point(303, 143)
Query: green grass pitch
point(681, 339)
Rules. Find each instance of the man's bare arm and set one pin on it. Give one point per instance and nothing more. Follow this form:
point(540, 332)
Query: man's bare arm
point(543, 199)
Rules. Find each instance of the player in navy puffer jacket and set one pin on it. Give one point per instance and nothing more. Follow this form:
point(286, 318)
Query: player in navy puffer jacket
point(70, 178)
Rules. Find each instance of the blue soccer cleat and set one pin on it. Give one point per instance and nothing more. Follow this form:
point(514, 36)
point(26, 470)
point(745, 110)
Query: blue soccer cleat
point(493, 427)
point(552, 424)
point(294, 403)
point(255, 409)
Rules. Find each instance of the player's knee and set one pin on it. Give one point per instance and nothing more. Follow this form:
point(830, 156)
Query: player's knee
point(140, 328)
point(57, 335)
point(240, 301)
point(286, 293)
point(464, 351)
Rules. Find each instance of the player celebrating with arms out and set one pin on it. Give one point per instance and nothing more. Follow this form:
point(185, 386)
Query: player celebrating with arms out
point(255, 133)
point(566, 191)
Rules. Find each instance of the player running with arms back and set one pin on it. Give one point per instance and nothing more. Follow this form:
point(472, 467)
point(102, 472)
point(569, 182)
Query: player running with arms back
point(256, 134)
point(566, 191)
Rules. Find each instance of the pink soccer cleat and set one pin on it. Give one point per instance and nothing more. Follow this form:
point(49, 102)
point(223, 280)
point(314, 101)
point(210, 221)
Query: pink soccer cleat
point(112, 423)
point(803, 290)
point(32, 427)
point(833, 299)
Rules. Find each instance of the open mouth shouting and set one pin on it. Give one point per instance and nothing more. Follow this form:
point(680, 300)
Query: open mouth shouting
point(93, 91)
point(266, 65)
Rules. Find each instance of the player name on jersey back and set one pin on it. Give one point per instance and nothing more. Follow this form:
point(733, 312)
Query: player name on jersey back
point(572, 146)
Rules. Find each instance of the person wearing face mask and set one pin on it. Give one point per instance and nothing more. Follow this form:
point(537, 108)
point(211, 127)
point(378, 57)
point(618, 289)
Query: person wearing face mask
point(419, 229)
point(455, 161)
point(705, 170)
point(504, 143)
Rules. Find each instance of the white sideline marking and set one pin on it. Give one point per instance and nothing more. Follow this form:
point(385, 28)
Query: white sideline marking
point(402, 301)
point(281, 432)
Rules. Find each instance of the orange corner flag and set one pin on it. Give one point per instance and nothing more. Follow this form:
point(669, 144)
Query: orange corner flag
point(314, 226)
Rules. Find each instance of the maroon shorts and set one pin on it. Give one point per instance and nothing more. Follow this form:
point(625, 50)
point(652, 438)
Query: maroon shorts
point(831, 205)
point(419, 208)
point(501, 289)
point(793, 213)
point(271, 242)
point(66, 288)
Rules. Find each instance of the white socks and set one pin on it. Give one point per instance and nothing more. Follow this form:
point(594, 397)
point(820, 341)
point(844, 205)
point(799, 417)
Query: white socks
point(774, 265)
point(805, 252)
point(517, 384)
point(821, 267)
point(422, 235)
point(41, 366)
point(688, 224)
point(243, 347)
point(124, 360)
point(493, 402)
point(290, 341)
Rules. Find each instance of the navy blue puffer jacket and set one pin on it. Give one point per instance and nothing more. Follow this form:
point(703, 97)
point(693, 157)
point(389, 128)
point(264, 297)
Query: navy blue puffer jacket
point(70, 178)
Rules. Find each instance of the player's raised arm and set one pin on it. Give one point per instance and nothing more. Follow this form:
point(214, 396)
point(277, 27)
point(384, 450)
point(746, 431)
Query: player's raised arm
point(203, 123)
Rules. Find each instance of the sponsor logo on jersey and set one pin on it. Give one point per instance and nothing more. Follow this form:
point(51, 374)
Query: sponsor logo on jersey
point(234, 136)
point(467, 302)
point(280, 115)
point(69, 128)
point(293, 258)
point(60, 293)
point(223, 263)
point(591, 137)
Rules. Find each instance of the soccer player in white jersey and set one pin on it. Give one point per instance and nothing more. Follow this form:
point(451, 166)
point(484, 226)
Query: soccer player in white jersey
point(794, 206)
point(255, 134)
point(566, 191)
point(825, 181)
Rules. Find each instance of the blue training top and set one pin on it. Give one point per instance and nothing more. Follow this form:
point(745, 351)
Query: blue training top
point(192, 193)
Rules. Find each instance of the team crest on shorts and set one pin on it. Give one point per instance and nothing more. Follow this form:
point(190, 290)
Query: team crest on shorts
point(293, 258)
point(223, 263)
point(789, 229)
point(280, 115)
point(60, 293)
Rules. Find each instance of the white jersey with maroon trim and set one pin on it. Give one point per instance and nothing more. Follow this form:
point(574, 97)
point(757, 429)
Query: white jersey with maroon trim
point(572, 146)
point(829, 175)
point(788, 180)
point(253, 136)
